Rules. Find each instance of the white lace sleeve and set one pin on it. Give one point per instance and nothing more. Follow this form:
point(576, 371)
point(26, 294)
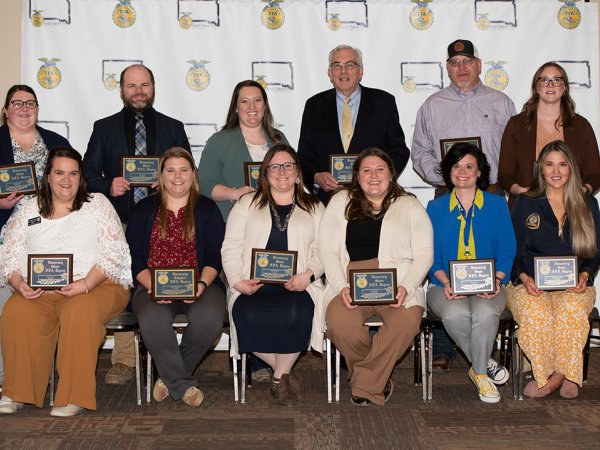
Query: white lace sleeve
point(113, 255)
point(13, 251)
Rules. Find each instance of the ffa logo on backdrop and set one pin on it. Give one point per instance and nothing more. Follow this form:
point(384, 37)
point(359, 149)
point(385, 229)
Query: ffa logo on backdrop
point(198, 14)
point(48, 74)
point(496, 77)
point(569, 16)
point(346, 14)
point(124, 14)
point(272, 15)
point(421, 16)
point(495, 15)
point(49, 12)
point(421, 76)
point(274, 75)
point(197, 77)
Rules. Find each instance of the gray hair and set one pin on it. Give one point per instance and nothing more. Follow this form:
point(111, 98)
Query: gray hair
point(347, 47)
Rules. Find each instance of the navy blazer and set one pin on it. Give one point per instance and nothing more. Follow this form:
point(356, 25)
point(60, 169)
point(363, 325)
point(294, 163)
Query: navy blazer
point(107, 144)
point(210, 232)
point(536, 230)
point(50, 138)
point(377, 125)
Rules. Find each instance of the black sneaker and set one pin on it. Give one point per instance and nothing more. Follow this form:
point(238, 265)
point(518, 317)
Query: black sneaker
point(387, 390)
point(359, 401)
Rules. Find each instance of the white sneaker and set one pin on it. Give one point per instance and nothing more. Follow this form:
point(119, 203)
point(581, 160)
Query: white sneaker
point(497, 372)
point(9, 406)
point(487, 391)
point(66, 411)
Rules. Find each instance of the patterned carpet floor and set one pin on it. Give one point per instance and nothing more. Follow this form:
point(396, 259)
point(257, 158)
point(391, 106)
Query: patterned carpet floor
point(454, 419)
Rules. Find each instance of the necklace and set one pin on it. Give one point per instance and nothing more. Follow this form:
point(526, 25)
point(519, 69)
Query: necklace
point(278, 224)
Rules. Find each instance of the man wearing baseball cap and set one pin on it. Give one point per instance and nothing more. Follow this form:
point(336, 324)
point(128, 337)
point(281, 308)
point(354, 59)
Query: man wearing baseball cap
point(465, 109)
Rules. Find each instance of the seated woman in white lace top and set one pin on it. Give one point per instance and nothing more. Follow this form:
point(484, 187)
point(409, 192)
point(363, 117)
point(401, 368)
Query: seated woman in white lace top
point(63, 219)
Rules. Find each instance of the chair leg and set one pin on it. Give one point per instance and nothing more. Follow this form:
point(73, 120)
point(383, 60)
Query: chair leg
point(52, 382)
point(423, 363)
point(138, 375)
point(243, 395)
point(148, 377)
point(417, 378)
point(328, 376)
point(586, 357)
point(337, 375)
point(515, 363)
point(236, 392)
point(521, 371)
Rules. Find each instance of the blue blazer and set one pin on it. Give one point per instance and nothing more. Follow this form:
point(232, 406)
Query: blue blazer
point(210, 232)
point(107, 144)
point(377, 125)
point(50, 138)
point(536, 229)
point(492, 231)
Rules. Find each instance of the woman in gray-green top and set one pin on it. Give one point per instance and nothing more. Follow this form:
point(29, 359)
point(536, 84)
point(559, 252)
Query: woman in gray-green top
point(246, 136)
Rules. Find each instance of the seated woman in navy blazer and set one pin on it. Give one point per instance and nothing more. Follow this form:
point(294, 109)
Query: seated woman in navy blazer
point(177, 227)
point(556, 217)
point(470, 223)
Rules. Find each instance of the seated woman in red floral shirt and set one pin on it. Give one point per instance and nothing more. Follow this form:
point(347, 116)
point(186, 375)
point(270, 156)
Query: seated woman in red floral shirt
point(177, 227)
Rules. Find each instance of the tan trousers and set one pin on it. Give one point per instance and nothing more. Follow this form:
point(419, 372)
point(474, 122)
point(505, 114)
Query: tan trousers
point(31, 330)
point(553, 330)
point(371, 362)
point(124, 350)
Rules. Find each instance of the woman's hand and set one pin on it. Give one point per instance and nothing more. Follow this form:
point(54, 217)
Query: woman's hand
point(449, 294)
point(25, 290)
point(346, 299)
point(581, 284)
point(248, 287)
point(400, 296)
point(10, 201)
point(238, 192)
point(529, 284)
point(488, 296)
point(299, 282)
point(77, 287)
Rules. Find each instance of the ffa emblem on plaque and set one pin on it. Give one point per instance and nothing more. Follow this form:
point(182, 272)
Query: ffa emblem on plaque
point(185, 21)
point(263, 261)
point(569, 16)
point(37, 20)
point(48, 74)
point(362, 282)
point(483, 23)
point(163, 278)
point(197, 77)
point(533, 221)
point(123, 15)
point(496, 77)
point(260, 79)
point(334, 23)
point(272, 15)
point(409, 84)
point(110, 82)
point(421, 16)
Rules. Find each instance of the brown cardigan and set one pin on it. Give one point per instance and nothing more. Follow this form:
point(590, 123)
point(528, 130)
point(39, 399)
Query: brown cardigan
point(517, 153)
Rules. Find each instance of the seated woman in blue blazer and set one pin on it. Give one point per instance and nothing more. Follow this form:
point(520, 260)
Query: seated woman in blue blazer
point(469, 223)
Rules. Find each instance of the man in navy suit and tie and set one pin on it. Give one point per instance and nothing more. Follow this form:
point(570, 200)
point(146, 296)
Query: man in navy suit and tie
point(347, 119)
point(137, 129)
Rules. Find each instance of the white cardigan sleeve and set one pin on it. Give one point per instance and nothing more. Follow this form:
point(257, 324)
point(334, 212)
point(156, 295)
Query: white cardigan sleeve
point(332, 234)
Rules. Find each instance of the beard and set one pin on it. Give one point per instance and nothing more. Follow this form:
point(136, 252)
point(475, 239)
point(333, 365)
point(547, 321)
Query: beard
point(141, 104)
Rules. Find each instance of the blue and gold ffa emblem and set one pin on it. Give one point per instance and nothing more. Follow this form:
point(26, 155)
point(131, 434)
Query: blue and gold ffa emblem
point(260, 79)
point(409, 84)
point(37, 20)
point(482, 22)
point(197, 77)
point(263, 261)
point(185, 21)
point(496, 77)
point(533, 221)
point(362, 282)
point(38, 267)
point(110, 82)
point(162, 278)
point(421, 16)
point(48, 74)
point(4, 176)
point(334, 23)
point(569, 16)
point(123, 15)
point(272, 15)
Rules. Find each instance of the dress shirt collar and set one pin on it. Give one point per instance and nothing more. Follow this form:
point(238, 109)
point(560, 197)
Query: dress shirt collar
point(470, 93)
point(478, 199)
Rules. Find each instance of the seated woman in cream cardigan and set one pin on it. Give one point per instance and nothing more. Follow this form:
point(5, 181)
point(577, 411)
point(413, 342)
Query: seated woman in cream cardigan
point(374, 224)
point(275, 322)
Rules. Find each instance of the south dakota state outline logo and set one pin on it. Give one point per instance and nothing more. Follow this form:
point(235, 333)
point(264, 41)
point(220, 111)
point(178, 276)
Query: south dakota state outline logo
point(48, 74)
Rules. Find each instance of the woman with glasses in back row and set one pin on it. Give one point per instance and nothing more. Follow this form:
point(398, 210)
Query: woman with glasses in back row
point(547, 116)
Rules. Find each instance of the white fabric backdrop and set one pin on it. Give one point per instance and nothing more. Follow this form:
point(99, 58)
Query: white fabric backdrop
point(233, 44)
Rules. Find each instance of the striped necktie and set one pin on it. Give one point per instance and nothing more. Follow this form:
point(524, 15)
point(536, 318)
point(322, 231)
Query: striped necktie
point(140, 150)
point(347, 128)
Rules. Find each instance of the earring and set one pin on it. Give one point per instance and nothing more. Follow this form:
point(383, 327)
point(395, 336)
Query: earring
point(297, 180)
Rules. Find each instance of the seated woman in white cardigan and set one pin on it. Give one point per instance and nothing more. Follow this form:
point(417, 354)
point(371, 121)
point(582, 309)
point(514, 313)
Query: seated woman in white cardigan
point(275, 322)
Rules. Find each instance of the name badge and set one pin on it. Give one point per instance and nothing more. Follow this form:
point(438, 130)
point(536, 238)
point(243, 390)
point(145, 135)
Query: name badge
point(34, 221)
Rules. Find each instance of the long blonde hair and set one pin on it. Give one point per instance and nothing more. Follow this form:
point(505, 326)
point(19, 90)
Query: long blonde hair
point(583, 230)
point(189, 227)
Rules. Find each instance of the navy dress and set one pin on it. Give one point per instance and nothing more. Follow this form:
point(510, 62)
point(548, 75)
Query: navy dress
point(273, 319)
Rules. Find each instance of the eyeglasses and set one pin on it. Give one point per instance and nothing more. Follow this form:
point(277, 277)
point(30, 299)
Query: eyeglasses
point(349, 65)
point(18, 104)
point(455, 63)
point(545, 81)
point(287, 166)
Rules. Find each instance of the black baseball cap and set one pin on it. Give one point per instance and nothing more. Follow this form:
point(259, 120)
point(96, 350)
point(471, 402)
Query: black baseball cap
point(462, 47)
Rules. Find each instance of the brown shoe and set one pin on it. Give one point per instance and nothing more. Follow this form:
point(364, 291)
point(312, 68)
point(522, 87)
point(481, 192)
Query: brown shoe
point(281, 390)
point(119, 374)
point(441, 363)
point(193, 397)
point(160, 391)
point(296, 388)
